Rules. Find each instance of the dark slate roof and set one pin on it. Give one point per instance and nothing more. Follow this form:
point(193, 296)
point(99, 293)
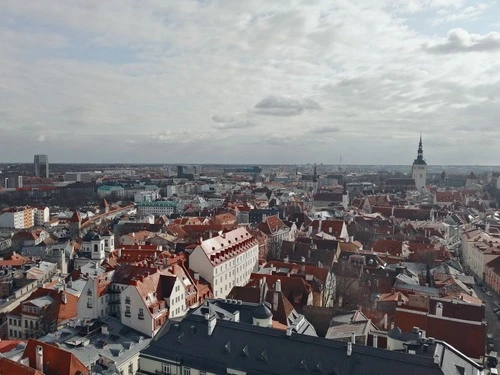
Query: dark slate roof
point(261, 350)
point(91, 236)
point(262, 311)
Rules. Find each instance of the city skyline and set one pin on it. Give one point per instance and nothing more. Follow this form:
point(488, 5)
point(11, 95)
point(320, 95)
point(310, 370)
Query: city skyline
point(250, 82)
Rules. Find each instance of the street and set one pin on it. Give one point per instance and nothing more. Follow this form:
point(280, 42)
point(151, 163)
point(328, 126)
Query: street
point(491, 318)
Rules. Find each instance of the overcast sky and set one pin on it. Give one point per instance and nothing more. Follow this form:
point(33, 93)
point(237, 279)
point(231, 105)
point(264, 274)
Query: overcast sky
point(244, 81)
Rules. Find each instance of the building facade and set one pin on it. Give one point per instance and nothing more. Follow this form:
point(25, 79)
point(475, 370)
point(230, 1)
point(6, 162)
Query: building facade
point(226, 261)
point(41, 166)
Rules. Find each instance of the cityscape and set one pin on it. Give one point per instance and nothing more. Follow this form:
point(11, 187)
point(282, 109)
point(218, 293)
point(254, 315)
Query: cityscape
point(233, 269)
point(286, 187)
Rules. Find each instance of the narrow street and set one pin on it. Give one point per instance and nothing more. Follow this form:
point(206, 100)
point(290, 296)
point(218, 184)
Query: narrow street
point(491, 318)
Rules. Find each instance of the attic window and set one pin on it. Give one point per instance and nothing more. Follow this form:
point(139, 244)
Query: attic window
point(303, 364)
point(245, 352)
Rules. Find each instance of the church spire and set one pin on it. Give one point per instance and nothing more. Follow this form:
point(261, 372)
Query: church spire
point(420, 153)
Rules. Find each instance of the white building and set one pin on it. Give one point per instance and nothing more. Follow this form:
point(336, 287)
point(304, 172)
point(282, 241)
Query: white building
point(17, 218)
point(157, 208)
point(226, 261)
point(146, 196)
point(419, 169)
point(105, 190)
point(478, 249)
point(142, 300)
point(41, 215)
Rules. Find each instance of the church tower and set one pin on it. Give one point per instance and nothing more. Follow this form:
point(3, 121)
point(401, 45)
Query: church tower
point(419, 169)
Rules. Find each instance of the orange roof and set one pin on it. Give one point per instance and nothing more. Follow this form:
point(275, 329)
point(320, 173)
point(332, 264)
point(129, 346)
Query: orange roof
point(8, 366)
point(272, 225)
point(14, 260)
point(333, 227)
point(55, 360)
point(393, 247)
point(57, 310)
point(8, 345)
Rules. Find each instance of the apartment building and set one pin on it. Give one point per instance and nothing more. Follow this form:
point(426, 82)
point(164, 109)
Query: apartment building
point(226, 260)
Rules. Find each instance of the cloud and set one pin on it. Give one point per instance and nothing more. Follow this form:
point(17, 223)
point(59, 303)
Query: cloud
point(182, 78)
point(325, 130)
point(230, 122)
point(459, 40)
point(467, 13)
point(285, 106)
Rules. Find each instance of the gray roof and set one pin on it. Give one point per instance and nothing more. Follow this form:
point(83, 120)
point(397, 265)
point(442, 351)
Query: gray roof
point(119, 345)
point(262, 350)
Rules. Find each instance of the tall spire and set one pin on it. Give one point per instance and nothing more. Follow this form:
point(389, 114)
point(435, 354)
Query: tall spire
point(420, 153)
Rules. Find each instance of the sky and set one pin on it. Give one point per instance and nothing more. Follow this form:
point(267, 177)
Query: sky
point(253, 81)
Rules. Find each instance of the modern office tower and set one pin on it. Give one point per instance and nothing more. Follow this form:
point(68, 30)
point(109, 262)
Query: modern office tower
point(41, 166)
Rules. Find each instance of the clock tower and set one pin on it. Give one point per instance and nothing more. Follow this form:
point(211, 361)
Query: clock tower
point(419, 169)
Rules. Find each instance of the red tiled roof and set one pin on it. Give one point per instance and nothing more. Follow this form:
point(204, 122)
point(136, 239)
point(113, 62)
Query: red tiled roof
point(333, 227)
point(272, 225)
point(448, 196)
point(393, 247)
point(56, 311)
point(8, 367)
point(8, 345)
point(14, 260)
point(55, 360)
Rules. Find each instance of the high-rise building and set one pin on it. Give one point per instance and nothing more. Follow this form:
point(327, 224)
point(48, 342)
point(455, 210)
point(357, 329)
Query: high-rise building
point(41, 165)
point(419, 169)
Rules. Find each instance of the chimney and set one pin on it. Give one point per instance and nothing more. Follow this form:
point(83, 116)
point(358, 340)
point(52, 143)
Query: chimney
point(39, 358)
point(119, 252)
point(236, 316)
point(375, 341)
point(439, 309)
point(349, 349)
point(275, 301)
point(212, 321)
point(277, 286)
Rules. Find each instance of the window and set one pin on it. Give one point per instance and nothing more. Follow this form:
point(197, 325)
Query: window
point(25, 324)
point(10, 322)
point(131, 368)
point(89, 302)
point(127, 311)
point(187, 371)
point(141, 314)
point(166, 368)
point(127, 300)
point(89, 292)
